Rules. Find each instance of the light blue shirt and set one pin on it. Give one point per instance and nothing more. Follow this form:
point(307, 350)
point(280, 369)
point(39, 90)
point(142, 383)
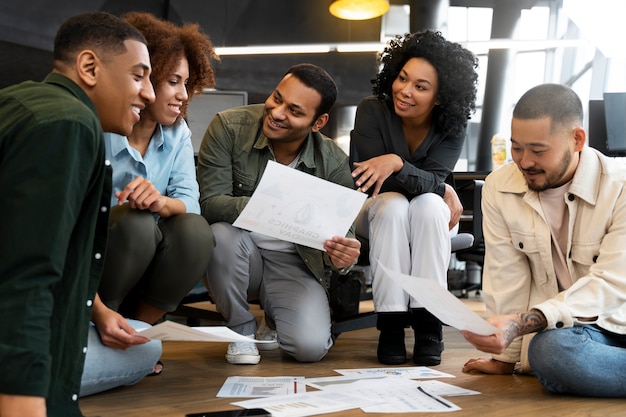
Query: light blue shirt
point(168, 164)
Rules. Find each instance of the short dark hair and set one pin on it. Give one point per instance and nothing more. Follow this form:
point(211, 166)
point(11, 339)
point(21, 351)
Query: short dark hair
point(100, 31)
point(318, 79)
point(556, 101)
point(456, 71)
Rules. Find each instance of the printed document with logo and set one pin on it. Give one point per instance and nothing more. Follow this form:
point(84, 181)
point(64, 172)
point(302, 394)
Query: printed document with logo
point(300, 208)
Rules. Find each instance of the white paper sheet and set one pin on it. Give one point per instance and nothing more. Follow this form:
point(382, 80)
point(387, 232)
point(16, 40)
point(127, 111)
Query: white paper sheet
point(300, 208)
point(410, 372)
point(433, 386)
point(441, 303)
point(308, 404)
point(169, 330)
point(407, 397)
point(331, 382)
point(389, 394)
point(258, 386)
point(444, 389)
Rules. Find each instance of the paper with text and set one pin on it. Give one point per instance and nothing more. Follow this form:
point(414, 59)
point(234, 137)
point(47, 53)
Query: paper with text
point(258, 386)
point(307, 404)
point(410, 372)
point(300, 208)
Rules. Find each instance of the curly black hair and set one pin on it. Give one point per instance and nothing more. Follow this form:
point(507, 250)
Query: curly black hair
point(456, 70)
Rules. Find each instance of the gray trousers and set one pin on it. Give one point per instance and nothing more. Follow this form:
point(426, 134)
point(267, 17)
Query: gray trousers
point(158, 262)
point(293, 300)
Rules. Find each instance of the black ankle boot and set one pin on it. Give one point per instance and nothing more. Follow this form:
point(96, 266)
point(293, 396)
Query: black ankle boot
point(428, 338)
point(391, 348)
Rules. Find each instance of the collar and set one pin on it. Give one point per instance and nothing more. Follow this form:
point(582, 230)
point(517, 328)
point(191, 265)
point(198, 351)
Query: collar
point(585, 183)
point(120, 143)
point(65, 82)
point(307, 155)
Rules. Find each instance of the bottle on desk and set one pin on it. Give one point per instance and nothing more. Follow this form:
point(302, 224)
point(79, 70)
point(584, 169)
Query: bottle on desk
point(498, 151)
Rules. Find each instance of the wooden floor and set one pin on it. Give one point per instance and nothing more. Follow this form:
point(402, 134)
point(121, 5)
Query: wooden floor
point(194, 373)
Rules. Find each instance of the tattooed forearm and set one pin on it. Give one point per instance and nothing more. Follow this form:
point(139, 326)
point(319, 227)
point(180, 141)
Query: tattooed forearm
point(530, 322)
point(524, 323)
point(534, 321)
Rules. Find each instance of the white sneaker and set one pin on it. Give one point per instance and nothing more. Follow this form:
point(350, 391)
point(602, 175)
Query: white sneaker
point(265, 333)
point(243, 353)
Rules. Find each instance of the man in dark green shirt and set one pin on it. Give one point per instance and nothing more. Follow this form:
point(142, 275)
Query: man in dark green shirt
point(54, 191)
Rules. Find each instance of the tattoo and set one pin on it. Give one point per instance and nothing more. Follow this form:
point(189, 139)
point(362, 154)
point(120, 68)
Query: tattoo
point(529, 322)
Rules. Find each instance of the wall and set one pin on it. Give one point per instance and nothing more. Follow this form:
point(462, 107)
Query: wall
point(27, 31)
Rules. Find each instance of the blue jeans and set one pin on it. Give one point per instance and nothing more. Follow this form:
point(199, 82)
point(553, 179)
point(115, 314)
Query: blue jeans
point(582, 360)
point(107, 368)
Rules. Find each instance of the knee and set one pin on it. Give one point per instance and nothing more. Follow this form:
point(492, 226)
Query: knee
point(308, 353)
point(390, 205)
point(191, 230)
point(231, 243)
point(429, 208)
point(307, 348)
point(224, 233)
point(153, 350)
point(549, 350)
point(132, 226)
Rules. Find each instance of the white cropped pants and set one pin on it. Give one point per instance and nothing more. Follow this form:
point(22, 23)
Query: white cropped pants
point(411, 237)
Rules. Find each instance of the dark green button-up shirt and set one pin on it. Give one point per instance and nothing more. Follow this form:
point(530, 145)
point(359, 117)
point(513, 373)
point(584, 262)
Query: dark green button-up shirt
point(233, 157)
point(54, 198)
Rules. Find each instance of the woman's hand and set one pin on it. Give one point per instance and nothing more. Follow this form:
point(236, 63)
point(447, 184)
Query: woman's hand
point(375, 171)
point(141, 194)
point(451, 198)
point(114, 330)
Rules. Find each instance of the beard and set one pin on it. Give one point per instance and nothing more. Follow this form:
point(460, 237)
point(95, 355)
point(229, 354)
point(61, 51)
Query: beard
point(552, 180)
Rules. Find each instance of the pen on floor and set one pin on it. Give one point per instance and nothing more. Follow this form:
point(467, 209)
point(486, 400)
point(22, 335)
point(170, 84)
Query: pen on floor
point(433, 397)
point(295, 386)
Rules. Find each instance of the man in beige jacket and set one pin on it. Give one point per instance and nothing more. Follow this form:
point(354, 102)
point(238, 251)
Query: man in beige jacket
point(555, 260)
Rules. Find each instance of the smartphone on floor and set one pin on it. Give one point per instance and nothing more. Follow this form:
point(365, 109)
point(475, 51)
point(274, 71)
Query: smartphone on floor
point(258, 412)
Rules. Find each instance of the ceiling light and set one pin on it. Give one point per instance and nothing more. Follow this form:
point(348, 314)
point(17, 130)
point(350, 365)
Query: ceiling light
point(273, 49)
point(358, 9)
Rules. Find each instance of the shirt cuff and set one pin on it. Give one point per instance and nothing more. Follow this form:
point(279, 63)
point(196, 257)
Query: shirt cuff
point(441, 190)
point(556, 313)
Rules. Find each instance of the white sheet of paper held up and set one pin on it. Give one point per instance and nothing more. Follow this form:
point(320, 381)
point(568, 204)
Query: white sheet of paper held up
point(300, 208)
point(441, 303)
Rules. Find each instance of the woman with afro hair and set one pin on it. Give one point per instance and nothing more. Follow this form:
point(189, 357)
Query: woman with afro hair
point(406, 140)
point(159, 245)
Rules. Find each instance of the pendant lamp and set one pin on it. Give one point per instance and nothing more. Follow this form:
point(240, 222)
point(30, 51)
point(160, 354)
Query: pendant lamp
point(358, 9)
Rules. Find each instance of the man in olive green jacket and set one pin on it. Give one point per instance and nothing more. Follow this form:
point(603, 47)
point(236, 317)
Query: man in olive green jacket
point(288, 279)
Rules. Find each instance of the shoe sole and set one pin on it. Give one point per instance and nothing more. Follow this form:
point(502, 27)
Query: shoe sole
point(267, 346)
point(243, 359)
point(427, 360)
point(392, 360)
